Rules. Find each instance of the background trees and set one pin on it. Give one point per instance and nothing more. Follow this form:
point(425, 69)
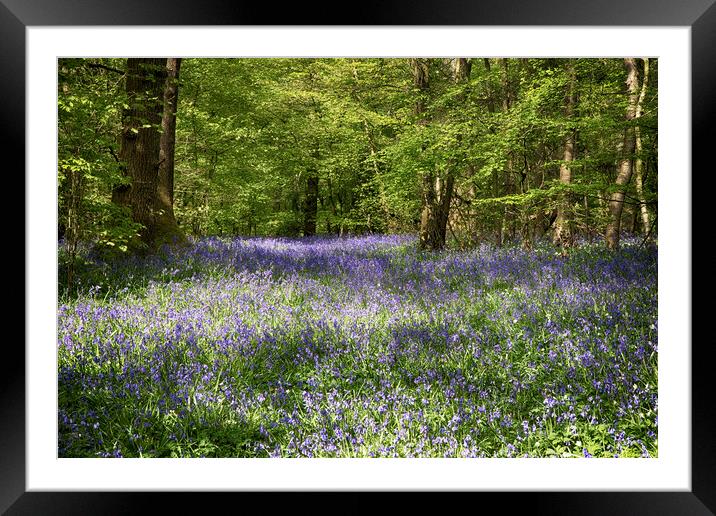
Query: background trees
point(459, 151)
point(90, 100)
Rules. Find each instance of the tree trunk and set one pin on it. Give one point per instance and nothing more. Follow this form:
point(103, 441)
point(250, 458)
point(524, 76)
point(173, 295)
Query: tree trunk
point(429, 232)
point(490, 95)
point(509, 186)
point(139, 150)
point(563, 234)
point(310, 212)
point(461, 69)
point(310, 205)
point(73, 225)
point(505, 84)
point(496, 174)
point(445, 188)
point(437, 188)
point(638, 163)
point(429, 225)
point(167, 227)
point(421, 79)
point(616, 200)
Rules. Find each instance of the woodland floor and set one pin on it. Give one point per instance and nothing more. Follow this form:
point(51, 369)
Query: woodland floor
point(361, 347)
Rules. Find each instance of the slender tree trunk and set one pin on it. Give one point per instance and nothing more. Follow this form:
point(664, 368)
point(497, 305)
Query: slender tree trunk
point(490, 93)
point(506, 98)
point(167, 227)
point(563, 234)
point(429, 231)
point(332, 207)
point(421, 79)
point(472, 222)
point(496, 174)
point(445, 188)
point(73, 225)
point(310, 213)
point(310, 206)
point(587, 217)
point(638, 163)
point(141, 141)
point(616, 200)
point(633, 219)
point(507, 223)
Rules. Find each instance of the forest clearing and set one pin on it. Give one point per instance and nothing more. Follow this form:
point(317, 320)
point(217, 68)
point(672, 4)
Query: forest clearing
point(378, 257)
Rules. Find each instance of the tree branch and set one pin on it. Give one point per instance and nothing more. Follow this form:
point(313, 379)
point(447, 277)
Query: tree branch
point(648, 233)
point(105, 67)
point(111, 151)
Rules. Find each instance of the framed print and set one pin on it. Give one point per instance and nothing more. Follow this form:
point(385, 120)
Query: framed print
point(679, 35)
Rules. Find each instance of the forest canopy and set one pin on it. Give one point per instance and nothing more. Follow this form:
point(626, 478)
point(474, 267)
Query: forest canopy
point(460, 151)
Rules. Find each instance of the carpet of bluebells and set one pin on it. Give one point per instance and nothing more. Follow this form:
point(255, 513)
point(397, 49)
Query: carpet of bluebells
point(361, 347)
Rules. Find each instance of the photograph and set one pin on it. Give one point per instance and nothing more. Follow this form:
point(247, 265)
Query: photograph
point(357, 257)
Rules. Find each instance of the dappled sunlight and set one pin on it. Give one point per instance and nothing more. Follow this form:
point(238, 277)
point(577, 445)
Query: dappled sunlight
point(362, 347)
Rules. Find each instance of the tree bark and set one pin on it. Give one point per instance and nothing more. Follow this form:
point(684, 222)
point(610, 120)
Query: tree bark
point(509, 186)
point(437, 188)
point(421, 79)
point(167, 227)
point(505, 81)
point(310, 204)
point(563, 235)
point(139, 151)
point(616, 200)
point(638, 163)
point(490, 95)
point(429, 234)
point(496, 192)
point(73, 226)
point(445, 188)
point(461, 69)
point(310, 209)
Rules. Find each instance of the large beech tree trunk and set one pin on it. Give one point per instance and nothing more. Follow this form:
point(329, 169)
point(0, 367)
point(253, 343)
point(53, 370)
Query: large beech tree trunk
point(616, 200)
point(167, 227)
point(139, 151)
point(563, 231)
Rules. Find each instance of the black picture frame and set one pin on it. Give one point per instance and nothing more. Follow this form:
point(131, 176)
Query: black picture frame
point(700, 15)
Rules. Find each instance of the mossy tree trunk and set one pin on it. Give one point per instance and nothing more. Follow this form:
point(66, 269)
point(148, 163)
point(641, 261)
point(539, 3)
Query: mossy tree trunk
point(139, 151)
